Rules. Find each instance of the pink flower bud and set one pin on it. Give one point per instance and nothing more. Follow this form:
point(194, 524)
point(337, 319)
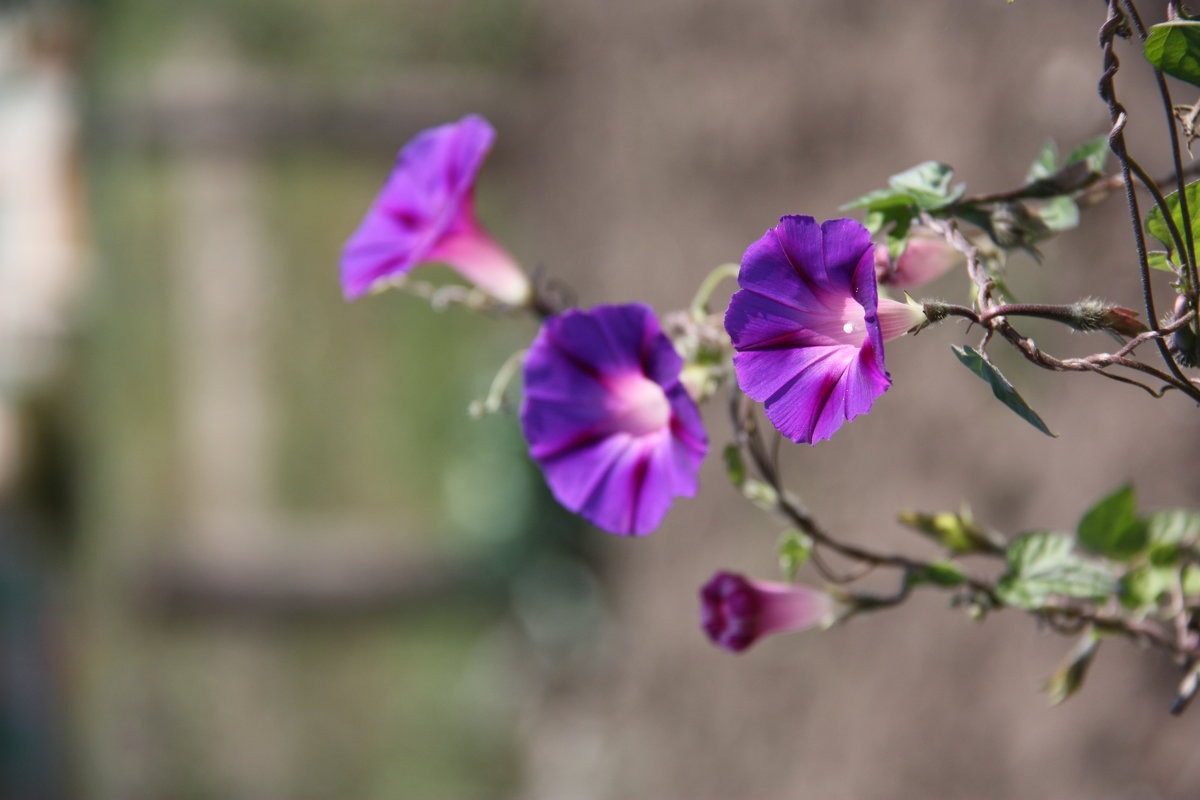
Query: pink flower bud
point(926, 256)
point(736, 612)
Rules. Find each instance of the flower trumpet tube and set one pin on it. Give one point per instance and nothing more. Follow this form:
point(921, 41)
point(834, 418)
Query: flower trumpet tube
point(808, 327)
point(736, 612)
point(607, 419)
point(425, 213)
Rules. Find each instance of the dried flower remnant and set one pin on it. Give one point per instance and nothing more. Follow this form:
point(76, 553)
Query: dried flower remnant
point(425, 213)
point(607, 419)
point(736, 612)
point(808, 326)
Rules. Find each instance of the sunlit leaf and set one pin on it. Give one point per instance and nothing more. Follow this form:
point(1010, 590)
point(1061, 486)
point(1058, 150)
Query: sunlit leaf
point(1093, 152)
point(1174, 47)
point(1173, 525)
point(1156, 224)
point(928, 184)
point(1112, 527)
point(1158, 260)
point(1059, 213)
point(1042, 565)
point(1045, 164)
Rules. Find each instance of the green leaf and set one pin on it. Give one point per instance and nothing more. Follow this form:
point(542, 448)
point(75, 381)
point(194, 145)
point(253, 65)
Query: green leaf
point(1142, 586)
point(1093, 152)
point(1045, 164)
point(1156, 224)
point(1068, 678)
point(928, 184)
point(1174, 47)
point(794, 551)
point(1042, 565)
point(1191, 580)
point(1112, 527)
point(957, 533)
point(897, 237)
point(1173, 525)
point(881, 200)
point(975, 361)
point(938, 573)
point(1158, 259)
point(1059, 213)
point(735, 467)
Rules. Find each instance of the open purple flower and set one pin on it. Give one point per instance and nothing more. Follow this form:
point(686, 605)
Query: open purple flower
point(607, 419)
point(425, 213)
point(736, 612)
point(808, 326)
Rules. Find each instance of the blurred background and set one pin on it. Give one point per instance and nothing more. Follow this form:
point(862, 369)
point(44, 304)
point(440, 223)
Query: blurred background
point(251, 546)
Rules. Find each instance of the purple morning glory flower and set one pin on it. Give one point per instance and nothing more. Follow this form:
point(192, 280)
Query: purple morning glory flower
point(606, 418)
point(425, 213)
point(808, 326)
point(736, 612)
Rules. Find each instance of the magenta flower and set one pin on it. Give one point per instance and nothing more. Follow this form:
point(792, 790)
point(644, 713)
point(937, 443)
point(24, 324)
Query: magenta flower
point(808, 327)
point(736, 612)
point(926, 256)
point(425, 213)
point(607, 419)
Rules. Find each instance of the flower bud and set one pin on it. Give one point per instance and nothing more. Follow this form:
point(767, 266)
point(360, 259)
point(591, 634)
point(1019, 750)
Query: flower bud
point(926, 256)
point(736, 612)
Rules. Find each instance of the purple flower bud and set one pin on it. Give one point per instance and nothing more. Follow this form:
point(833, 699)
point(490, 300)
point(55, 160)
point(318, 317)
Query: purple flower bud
point(426, 213)
point(736, 612)
point(926, 256)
